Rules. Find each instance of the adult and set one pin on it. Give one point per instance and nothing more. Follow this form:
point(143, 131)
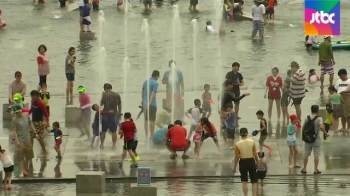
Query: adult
point(174, 81)
point(342, 87)
point(17, 86)
point(273, 92)
point(149, 102)
point(316, 145)
point(176, 140)
point(258, 13)
point(21, 127)
point(43, 65)
point(70, 73)
point(326, 60)
point(245, 154)
point(237, 79)
point(112, 108)
point(85, 118)
point(81, 5)
point(297, 87)
point(38, 112)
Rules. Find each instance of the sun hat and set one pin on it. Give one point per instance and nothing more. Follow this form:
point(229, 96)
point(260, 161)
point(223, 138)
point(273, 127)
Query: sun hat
point(16, 108)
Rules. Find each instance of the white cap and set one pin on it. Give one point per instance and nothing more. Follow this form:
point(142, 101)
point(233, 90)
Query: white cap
point(327, 36)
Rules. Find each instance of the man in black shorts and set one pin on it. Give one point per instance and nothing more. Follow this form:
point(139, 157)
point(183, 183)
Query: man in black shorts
point(237, 80)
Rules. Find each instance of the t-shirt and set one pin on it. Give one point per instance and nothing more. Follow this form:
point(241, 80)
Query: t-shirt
point(21, 124)
point(230, 121)
point(258, 12)
point(195, 114)
point(311, 40)
point(38, 111)
point(69, 68)
point(262, 166)
point(128, 128)
point(227, 98)
point(291, 132)
point(84, 100)
point(274, 84)
point(57, 133)
point(210, 29)
point(271, 3)
point(81, 3)
point(45, 97)
point(177, 136)
point(325, 51)
point(329, 118)
point(297, 87)
point(341, 85)
point(86, 10)
point(147, 91)
point(318, 122)
point(174, 79)
point(110, 101)
point(236, 78)
point(159, 135)
point(96, 122)
point(335, 98)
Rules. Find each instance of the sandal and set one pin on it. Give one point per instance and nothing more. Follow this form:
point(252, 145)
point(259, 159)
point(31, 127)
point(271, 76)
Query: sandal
point(317, 172)
point(303, 171)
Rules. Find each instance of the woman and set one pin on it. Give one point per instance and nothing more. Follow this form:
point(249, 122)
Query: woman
point(43, 65)
point(273, 91)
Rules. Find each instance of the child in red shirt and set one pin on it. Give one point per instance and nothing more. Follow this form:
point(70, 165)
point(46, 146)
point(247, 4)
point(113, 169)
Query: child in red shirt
point(127, 130)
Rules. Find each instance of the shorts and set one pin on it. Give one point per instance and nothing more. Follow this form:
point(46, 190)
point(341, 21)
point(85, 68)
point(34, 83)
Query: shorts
point(42, 80)
point(309, 147)
point(58, 143)
point(193, 2)
point(308, 45)
point(48, 109)
point(85, 117)
point(337, 111)
point(109, 122)
point(261, 175)
point(168, 144)
point(237, 94)
point(134, 145)
point(81, 11)
point(284, 102)
point(270, 11)
point(247, 166)
point(70, 77)
point(230, 134)
point(152, 112)
point(8, 169)
point(147, 2)
point(292, 143)
point(262, 139)
point(25, 151)
point(258, 25)
point(95, 130)
point(39, 129)
point(297, 101)
point(208, 135)
point(129, 145)
point(273, 98)
point(327, 67)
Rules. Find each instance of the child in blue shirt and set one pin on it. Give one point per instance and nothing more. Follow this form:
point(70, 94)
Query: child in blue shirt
point(57, 133)
point(229, 125)
point(86, 15)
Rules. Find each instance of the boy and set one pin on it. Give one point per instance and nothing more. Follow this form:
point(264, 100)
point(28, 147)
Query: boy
point(206, 98)
point(194, 114)
point(95, 124)
point(230, 127)
point(127, 130)
point(328, 121)
point(270, 12)
point(62, 3)
point(45, 96)
point(95, 5)
point(137, 157)
point(57, 133)
point(86, 16)
point(263, 131)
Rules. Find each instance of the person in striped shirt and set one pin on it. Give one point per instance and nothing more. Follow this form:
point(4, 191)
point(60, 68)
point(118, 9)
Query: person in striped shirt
point(297, 88)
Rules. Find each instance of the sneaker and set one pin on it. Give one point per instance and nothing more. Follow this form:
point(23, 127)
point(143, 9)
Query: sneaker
point(120, 164)
point(135, 165)
point(326, 141)
point(137, 159)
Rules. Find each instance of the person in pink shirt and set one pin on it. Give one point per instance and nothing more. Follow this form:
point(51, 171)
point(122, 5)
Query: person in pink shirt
point(85, 106)
point(43, 65)
point(2, 22)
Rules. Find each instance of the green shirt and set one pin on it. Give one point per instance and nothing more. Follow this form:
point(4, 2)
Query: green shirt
point(325, 51)
point(335, 99)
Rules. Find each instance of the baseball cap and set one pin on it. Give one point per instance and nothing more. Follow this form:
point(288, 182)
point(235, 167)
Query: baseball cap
point(293, 117)
point(81, 89)
point(243, 132)
point(327, 36)
point(18, 73)
point(16, 108)
point(17, 97)
point(294, 64)
point(178, 122)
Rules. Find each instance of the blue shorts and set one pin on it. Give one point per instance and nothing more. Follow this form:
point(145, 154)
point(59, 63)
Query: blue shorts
point(95, 130)
point(109, 122)
point(291, 143)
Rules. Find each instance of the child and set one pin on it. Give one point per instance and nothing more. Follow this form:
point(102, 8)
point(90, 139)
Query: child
point(206, 98)
point(127, 130)
point(7, 164)
point(285, 101)
point(289, 76)
point(197, 139)
point(2, 22)
point(209, 131)
point(292, 141)
point(309, 41)
point(62, 3)
point(17, 99)
point(335, 100)
point(45, 96)
point(209, 28)
point(95, 5)
point(261, 169)
point(270, 11)
point(263, 131)
point(57, 133)
point(95, 124)
point(226, 10)
point(313, 78)
point(193, 4)
point(328, 121)
point(86, 15)
point(194, 114)
point(159, 135)
point(230, 125)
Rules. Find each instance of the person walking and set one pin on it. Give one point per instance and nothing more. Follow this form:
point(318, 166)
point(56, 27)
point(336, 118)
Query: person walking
point(43, 65)
point(70, 75)
point(326, 60)
point(342, 87)
point(274, 85)
point(297, 88)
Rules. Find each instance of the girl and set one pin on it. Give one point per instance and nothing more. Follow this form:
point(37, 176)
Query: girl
point(43, 65)
point(209, 130)
point(197, 139)
point(206, 100)
point(226, 10)
point(2, 23)
point(261, 169)
point(273, 92)
point(313, 78)
point(292, 141)
point(8, 168)
point(285, 101)
point(45, 96)
point(309, 41)
point(336, 100)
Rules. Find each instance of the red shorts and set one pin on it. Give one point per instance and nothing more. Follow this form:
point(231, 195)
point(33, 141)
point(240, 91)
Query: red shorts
point(58, 143)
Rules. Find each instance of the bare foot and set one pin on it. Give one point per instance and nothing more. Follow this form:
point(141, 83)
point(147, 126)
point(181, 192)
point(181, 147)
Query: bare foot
point(297, 166)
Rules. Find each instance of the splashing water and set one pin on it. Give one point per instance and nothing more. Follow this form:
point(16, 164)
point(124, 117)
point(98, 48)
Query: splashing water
point(218, 20)
point(101, 22)
point(172, 82)
point(194, 24)
point(176, 29)
point(126, 68)
point(126, 62)
point(102, 70)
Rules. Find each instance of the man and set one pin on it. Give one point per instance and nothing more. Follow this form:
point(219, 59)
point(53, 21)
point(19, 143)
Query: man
point(21, 127)
point(85, 106)
point(297, 87)
point(316, 145)
point(237, 80)
point(38, 112)
point(258, 13)
point(343, 87)
point(227, 97)
point(17, 86)
point(176, 140)
point(174, 79)
point(81, 5)
point(70, 75)
point(326, 60)
point(245, 154)
point(149, 102)
point(110, 115)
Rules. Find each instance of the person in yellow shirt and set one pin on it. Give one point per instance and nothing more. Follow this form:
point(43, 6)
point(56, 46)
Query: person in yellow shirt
point(45, 96)
point(328, 121)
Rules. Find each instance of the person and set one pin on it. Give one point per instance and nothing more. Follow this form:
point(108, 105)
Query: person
point(285, 101)
point(326, 60)
point(57, 133)
point(148, 5)
point(2, 22)
point(17, 99)
point(95, 124)
point(289, 76)
point(270, 11)
point(230, 125)
point(159, 135)
point(173, 78)
point(95, 5)
point(313, 124)
point(85, 118)
point(149, 102)
point(193, 5)
point(81, 5)
point(70, 75)
point(62, 3)
point(209, 28)
point(337, 111)
point(261, 168)
point(245, 154)
point(45, 96)
point(209, 131)
point(309, 42)
point(194, 114)
point(119, 3)
point(292, 128)
point(237, 8)
point(17, 86)
point(274, 84)
point(258, 13)
point(313, 78)
point(112, 110)
point(237, 80)
point(263, 131)
point(38, 112)
point(176, 140)
point(127, 131)
point(22, 126)
point(197, 139)
point(43, 65)
point(7, 165)
point(226, 10)
point(86, 21)
point(163, 118)
point(207, 101)
point(297, 88)
point(134, 147)
point(342, 86)
point(329, 121)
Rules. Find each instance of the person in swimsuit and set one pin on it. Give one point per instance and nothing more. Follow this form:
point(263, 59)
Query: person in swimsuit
point(263, 131)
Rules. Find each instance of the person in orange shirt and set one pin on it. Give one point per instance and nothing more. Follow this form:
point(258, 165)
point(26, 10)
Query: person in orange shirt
point(209, 131)
point(270, 12)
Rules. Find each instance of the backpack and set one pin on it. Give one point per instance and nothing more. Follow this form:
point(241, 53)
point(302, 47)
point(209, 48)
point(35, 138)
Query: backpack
point(309, 134)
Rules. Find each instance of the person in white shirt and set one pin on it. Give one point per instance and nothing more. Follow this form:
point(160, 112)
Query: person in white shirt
point(258, 13)
point(209, 28)
point(7, 164)
point(343, 87)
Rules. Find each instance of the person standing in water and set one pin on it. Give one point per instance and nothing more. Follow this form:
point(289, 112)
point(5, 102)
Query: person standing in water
point(193, 5)
point(273, 92)
point(148, 4)
point(70, 75)
point(43, 65)
point(326, 60)
point(17, 86)
point(258, 13)
point(85, 106)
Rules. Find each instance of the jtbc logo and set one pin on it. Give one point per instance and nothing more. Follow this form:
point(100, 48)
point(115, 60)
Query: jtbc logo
point(322, 18)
